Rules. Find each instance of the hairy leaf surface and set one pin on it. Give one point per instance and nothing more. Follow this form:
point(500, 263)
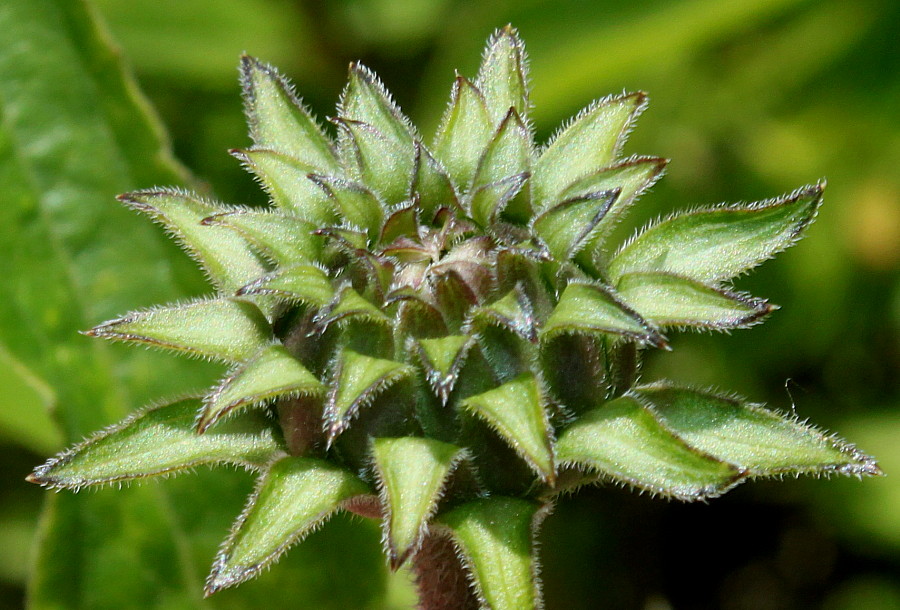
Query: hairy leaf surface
point(291, 499)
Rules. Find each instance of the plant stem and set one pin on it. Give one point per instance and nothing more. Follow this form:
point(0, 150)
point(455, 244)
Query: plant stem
point(441, 577)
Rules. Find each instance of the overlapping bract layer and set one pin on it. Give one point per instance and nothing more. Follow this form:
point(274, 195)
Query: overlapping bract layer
point(443, 329)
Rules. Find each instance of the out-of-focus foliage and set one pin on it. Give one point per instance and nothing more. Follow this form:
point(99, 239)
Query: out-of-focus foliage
point(748, 98)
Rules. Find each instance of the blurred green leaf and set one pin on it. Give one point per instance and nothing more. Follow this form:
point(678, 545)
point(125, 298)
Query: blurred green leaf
point(75, 133)
point(197, 40)
point(25, 413)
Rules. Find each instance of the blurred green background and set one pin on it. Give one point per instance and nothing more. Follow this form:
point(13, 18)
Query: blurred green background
point(750, 99)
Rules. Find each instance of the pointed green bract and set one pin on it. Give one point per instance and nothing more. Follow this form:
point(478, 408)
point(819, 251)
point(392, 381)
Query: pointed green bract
point(378, 161)
point(270, 373)
point(632, 176)
point(293, 497)
point(512, 311)
point(590, 142)
point(442, 359)
point(507, 154)
point(224, 255)
point(669, 300)
point(489, 200)
point(351, 305)
point(412, 473)
point(357, 380)
point(161, 440)
point(367, 100)
point(568, 226)
point(224, 329)
point(377, 140)
point(288, 183)
point(623, 440)
point(305, 283)
point(495, 538)
point(357, 204)
point(718, 244)
point(590, 309)
point(503, 76)
point(465, 131)
point(278, 121)
point(432, 184)
point(285, 240)
point(516, 411)
point(757, 439)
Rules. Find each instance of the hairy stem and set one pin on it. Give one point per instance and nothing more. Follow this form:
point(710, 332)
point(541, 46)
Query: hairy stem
point(623, 366)
point(441, 577)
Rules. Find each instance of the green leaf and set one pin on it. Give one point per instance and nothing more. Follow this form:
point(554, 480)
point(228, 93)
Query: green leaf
point(223, 254)
point(305, 283)
point(25, 416)
point(225, 329)
point(761, 441)
point(357, 204)
point(590, 142)
point(508, 154)
point(358, 379)
point(442, 360)
point(717, 244)
point(285, 240)
point(503, 76)
point(669, 300)
point(567, 227)
point(464, 132)
point(291, 500)
point(380, 149)
point(279, 121)
point(626, 441)
point(592, 309)
point(75, 132)
point(270, 373)
point(495, 537)
point(161, 440)
point(288, 183)
point(516, 411)
point(412, 474)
